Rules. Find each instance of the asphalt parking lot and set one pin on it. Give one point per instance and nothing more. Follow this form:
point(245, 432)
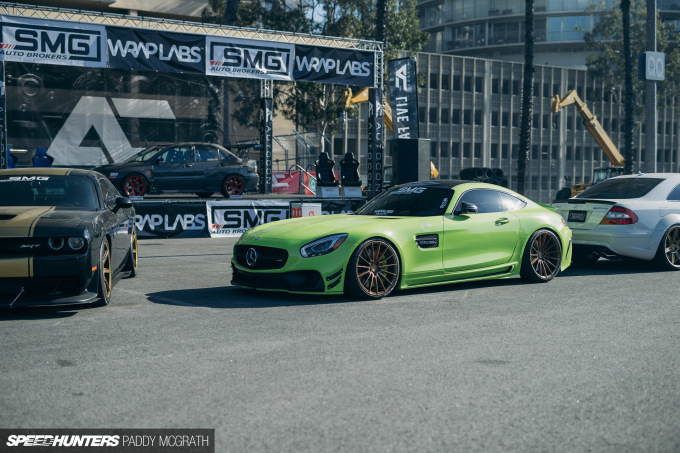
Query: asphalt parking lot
point(587, 362)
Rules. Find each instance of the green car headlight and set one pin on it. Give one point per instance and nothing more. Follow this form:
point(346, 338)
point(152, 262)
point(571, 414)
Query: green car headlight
point(323, 245)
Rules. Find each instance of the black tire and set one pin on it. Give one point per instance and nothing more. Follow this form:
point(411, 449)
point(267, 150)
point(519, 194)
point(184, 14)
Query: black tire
point(105, 284)
point(542, 257)
point(373, 271)
point(668, 252)
point(135, 185)
point(132, 262)
point(233, 185)
point(204, 194)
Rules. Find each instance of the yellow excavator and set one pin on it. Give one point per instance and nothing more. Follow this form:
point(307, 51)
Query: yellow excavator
point(362, 96)
point(601, 137)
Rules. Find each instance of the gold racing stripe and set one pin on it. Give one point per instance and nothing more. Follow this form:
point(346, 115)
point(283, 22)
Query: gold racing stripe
point(16, 267)
point(22, 225)
point(21, 267)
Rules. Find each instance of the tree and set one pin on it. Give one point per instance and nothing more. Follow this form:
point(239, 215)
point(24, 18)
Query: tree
point(607, 63)
point(313, 105)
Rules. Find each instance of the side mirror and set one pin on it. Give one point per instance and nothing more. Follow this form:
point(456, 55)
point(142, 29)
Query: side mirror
point(123, 202)
point(466, 208)
point(159, 160)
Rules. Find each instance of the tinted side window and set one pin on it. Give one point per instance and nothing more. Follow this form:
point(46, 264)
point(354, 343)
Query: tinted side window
point(511, 203)
point(675, 194)
point(485, 200)
point(206, 153)
point(109, 192)
point(176, 154)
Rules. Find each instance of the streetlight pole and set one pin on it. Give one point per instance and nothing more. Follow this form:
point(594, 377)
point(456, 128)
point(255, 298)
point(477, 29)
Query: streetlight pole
point(650, 92)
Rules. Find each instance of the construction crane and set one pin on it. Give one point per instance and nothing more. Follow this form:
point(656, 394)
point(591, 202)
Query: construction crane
point(350, 101)
point(600, 136)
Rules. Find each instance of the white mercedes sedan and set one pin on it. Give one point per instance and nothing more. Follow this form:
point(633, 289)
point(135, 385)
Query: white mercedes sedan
point(635, 216)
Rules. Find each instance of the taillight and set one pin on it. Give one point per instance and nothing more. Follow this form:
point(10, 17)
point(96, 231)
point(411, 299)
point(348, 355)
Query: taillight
point(619, 216)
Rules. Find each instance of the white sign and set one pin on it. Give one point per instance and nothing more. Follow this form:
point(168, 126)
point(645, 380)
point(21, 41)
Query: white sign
point(53, 42)
point(230, 57)
point(655, 66)
point(234, 217)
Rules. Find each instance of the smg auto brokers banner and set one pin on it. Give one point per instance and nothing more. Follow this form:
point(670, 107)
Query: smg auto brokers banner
point(77, 44)
point(235, 217)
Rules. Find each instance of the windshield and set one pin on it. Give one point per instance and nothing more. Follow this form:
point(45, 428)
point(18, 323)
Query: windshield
point(621, 188)
point(145, 154)
point(32, 190)
point(409, 201)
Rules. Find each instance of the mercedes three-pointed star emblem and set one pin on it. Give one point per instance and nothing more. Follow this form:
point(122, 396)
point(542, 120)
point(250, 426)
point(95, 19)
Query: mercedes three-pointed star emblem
point(251, 257)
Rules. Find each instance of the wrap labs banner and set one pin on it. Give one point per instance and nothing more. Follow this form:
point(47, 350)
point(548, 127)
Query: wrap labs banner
point(231, 57)
point(329, 65)
point(52, 42)
point(235, 217)
point(166, 220)
point(404, 97)
point(155, 51)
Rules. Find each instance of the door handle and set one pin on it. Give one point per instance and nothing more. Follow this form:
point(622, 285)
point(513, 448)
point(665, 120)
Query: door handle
point(188, 165)
point(502, 221)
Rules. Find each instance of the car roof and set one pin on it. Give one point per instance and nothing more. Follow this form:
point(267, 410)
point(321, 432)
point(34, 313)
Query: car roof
point(51, 171)
point(447, 183)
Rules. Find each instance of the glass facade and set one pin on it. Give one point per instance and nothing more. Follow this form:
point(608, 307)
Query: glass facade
point(490, 28)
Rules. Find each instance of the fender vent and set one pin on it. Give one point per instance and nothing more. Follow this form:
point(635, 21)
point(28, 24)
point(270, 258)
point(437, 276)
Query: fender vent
point(6, 216)
point(428, 241)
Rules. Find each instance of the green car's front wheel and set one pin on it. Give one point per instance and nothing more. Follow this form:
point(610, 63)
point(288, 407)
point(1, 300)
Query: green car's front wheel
point(542, 257)
point(373, 270)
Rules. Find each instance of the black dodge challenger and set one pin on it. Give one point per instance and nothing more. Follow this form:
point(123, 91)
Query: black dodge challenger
point(66, 237)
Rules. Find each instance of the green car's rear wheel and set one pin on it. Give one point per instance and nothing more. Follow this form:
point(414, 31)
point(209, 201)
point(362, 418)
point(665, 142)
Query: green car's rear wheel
point(542, 257)
point(373, 270)
point(668, 255)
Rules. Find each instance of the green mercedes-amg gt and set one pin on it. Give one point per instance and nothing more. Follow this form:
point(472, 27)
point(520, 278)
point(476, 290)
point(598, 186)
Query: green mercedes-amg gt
point(413, 235)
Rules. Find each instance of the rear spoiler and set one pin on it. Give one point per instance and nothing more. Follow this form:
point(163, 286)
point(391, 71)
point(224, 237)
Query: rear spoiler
point(584, 201)
point(548, 206)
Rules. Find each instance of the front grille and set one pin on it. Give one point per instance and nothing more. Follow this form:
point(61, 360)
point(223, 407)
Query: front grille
point(38, 288)
point(267, 257)
point(302, 281)
point(23, 247)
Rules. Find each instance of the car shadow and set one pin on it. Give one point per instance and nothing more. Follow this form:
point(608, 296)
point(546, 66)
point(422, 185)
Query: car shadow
point(610, 267)
point(37, 313)
point(235, 297)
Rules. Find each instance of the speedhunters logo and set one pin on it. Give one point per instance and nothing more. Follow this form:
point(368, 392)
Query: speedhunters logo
point(249, 59)
point(51, 42)
point(113, 440)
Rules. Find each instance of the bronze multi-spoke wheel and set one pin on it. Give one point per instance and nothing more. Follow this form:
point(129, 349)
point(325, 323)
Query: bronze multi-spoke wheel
point(105, 274)
point(542, 257)
point(132, 259)
point(373, 271)
point(668, 255)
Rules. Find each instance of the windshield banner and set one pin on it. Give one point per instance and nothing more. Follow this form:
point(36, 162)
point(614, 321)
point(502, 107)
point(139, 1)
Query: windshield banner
point(330, 65)
point(155, 51)
point(404, 97)
point(52, 42)
point(231, 57)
